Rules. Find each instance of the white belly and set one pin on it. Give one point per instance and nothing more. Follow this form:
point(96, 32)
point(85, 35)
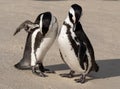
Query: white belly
point(68, 52)
point(46, 43)
point(43, 48)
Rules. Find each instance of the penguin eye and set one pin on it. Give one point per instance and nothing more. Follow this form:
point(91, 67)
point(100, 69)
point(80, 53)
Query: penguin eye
point(26, 28)
point(71, 16)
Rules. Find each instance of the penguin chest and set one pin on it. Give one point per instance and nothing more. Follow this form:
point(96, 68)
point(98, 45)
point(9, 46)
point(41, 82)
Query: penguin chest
point(45, 44)
point(43, 48)
point(68, 52)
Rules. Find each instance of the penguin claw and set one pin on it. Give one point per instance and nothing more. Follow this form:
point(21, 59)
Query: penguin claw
point(41, 74)
point(81, 80)
point(43, 69)
point(68, 75)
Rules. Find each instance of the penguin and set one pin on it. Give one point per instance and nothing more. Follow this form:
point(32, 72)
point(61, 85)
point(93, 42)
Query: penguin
point(41, 35)
point(75, 47)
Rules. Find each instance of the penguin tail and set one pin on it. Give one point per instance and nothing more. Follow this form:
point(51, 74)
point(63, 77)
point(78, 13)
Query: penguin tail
point(95, 67)
point(23, 65)
point(27, 26)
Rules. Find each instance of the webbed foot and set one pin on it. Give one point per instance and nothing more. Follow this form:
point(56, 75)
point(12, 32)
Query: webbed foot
point(43, 69)
point(82, 79)
point(39, 73)
point(68, 75)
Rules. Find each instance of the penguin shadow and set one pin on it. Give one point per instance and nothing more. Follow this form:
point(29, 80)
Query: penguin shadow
point(58, 67)
point(107, 68)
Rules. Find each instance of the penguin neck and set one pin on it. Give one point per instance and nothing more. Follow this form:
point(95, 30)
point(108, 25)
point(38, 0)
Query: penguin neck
point(73, 26)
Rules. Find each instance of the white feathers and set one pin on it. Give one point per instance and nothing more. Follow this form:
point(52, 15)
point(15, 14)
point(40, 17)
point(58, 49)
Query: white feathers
point(33, 57)
point(67, 49)
point(46, 43)
point(71, 11)
point(89, 61)
point(41, 23)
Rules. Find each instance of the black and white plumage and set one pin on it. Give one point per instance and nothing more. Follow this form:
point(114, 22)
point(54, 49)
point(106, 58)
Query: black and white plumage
point(41, 35)
point(75, 47)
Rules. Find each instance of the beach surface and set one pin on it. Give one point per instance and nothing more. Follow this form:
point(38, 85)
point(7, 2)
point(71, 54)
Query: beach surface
point(101, 22)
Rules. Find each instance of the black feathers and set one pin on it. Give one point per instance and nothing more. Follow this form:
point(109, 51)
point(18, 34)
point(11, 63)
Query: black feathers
point(82, 54)
point(82, 37)
point(71, 16)
point(38, 40)
point(46, 20)
point(78, 11)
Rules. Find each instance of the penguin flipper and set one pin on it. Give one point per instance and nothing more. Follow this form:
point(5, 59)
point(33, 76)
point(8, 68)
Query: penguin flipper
point(95, 67)
point(26, 25)
point(82, 37)
point(82, 55)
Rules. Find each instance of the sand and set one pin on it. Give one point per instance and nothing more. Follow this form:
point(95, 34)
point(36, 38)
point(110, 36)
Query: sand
point(101, 22)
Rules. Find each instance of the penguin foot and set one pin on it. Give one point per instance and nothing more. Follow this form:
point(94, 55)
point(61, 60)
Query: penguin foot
point(69, 75)
point(40, 73)
point(66, 75)
point(82, 79)
point(43, 69)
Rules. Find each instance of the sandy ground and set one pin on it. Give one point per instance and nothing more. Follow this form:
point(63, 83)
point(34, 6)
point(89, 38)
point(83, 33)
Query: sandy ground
point(101, 22)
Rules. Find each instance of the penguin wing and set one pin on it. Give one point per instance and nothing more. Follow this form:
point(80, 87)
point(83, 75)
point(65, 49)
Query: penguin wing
point(90, 52)
point(82, 54)
point(82, 37)
point(26, 25)
point(85, 44)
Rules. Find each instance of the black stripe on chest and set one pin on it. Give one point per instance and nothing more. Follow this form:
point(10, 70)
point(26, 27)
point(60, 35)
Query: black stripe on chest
point(71, 39)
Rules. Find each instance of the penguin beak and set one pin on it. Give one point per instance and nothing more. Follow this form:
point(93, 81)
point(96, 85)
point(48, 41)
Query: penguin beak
point(37, 25)
point(74, 27)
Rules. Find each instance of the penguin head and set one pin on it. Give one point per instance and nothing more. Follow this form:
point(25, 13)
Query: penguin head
point(44, 20)
point(75, 13)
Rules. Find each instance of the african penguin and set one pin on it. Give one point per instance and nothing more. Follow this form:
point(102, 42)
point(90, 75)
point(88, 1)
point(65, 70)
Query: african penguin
point(41, 35)
point(75, 47)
